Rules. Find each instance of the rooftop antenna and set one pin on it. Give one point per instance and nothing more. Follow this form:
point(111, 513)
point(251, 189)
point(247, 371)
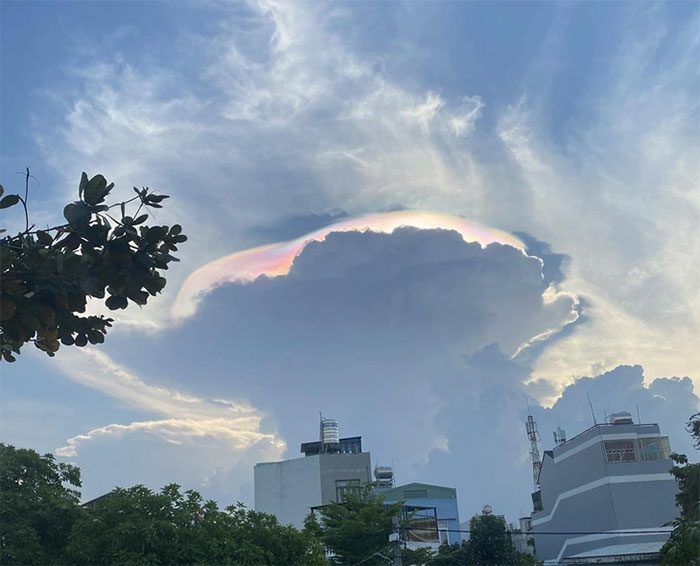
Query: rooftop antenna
point(533, 436)
point(639, 419)
point(591, 406)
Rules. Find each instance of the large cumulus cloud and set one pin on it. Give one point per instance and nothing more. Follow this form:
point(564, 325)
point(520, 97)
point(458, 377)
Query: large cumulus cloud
point(418, 341)
point(371, 328)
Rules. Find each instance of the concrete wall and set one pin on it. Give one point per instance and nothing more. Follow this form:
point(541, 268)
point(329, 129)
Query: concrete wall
point(582, 492)
point(342, 467)
point(288, 489)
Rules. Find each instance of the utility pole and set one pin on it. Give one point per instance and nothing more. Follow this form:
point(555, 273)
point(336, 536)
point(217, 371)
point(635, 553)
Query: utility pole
point(395, 540)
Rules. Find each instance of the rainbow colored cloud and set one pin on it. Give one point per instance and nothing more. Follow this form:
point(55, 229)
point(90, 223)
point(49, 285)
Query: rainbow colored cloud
point(276, 259)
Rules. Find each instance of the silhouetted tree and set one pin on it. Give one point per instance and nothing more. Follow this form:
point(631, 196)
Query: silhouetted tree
point(683, 546)
point(489, 541)
point(38, 506)
point(49, 274)
point(358, 528)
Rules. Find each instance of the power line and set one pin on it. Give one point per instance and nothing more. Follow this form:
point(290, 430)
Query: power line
point(626, 532)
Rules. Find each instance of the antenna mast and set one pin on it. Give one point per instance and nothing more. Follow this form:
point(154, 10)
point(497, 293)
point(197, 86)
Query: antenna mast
point(534, 436)
point(592, 411)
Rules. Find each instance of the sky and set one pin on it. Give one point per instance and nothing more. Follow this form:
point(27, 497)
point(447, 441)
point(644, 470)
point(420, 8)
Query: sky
point(419, 218)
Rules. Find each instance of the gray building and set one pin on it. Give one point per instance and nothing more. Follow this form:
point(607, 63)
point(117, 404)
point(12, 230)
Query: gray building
point(609, 488)
point(329, 468)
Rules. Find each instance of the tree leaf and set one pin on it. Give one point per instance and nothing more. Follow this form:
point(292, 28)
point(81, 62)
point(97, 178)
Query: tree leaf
point(96, 190)
point(76, 212)
point(116, 302)
point(44, 238)
point(8, 201)
point(83, 184)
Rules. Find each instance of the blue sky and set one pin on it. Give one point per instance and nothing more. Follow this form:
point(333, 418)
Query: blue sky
point(574, 125)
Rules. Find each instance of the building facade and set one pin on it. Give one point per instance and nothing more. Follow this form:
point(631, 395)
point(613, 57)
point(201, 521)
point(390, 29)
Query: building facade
point(329, 468)
point(431, 511)
point(609, 488)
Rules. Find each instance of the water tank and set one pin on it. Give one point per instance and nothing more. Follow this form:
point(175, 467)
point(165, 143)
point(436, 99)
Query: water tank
point(623, 417)
point(383, 473)
point(330, 433)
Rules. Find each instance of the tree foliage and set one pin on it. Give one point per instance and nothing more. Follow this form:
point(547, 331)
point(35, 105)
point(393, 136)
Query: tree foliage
point(42, 522)
point(450, 555)
point(49, 274)
point(313, 533)
point(683, 546)
point(138, 526)
point(38, 506)
point(359, 527)
point(489, 541)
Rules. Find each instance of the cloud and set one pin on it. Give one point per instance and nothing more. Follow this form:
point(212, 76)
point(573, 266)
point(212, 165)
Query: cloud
point(274, 109)
point(285, 110)
point(293, 226)
point(370, 327)
point(277, 258)
point(486, 452)
point(216, 434)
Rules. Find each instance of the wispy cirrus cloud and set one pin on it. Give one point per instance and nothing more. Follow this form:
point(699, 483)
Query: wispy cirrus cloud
point(276, 110)
point(283, 113)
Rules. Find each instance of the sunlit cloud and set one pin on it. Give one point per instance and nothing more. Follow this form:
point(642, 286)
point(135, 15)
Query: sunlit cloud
point(276, 259)
point(188, 416)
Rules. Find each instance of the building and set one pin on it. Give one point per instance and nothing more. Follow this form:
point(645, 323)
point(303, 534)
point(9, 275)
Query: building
point(521, 535)
point(608, 491)
point(330, 467)
point(431, 512)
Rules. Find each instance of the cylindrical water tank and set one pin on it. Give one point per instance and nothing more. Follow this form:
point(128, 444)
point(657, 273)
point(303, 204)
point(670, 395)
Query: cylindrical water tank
point(383, 473)
point(330, 432)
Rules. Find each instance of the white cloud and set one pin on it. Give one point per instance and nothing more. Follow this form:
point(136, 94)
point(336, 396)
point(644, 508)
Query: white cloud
point(285, 116)
point(365, 326)
point(212, 433)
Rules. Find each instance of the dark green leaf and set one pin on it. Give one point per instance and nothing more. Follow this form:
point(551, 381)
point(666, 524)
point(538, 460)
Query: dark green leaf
point(116, 302)
point(29, 320)
point(83, 184)
point(76, 213)
point(96, 189)
point(44, 238)
point(8, 201)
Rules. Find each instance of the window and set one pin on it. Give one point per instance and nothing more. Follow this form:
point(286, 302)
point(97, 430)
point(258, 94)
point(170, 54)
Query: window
point(537, 501)
point(652, 448)
point(620, 451)
point(422, 524)
point(345, 486)
point(443, 531)
point(350, 445)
